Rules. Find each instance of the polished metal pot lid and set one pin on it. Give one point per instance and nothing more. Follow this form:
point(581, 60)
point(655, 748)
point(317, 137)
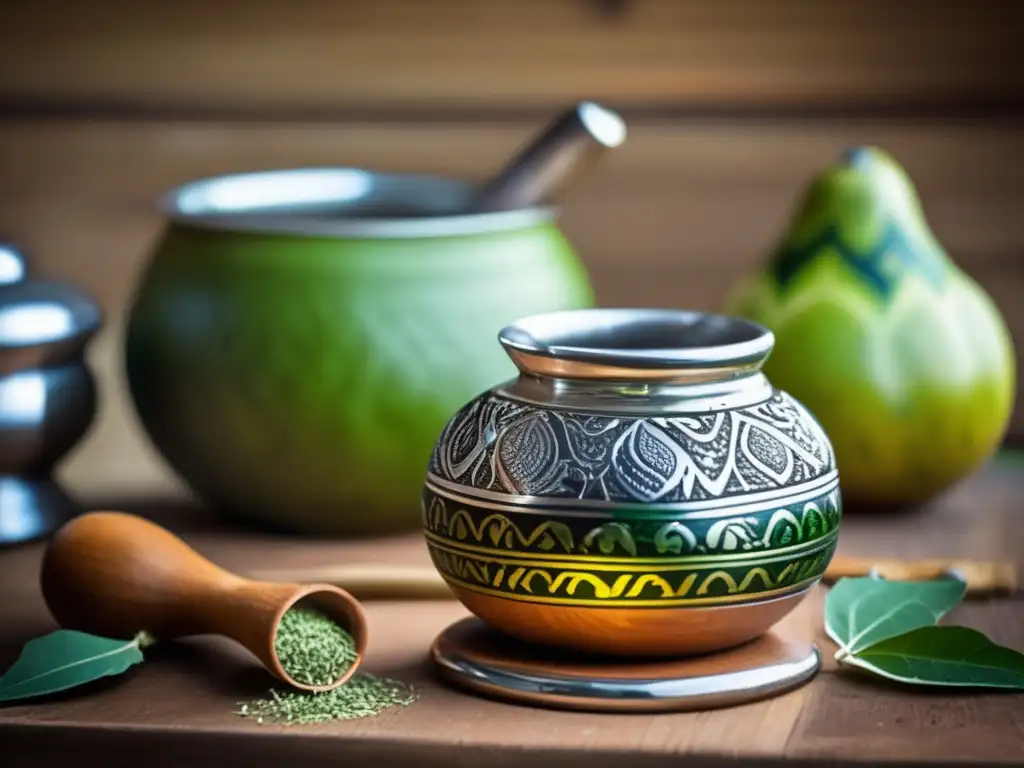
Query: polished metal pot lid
point(51, 316)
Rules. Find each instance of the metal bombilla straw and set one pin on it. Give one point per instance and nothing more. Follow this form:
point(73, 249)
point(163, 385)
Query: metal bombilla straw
point(554, 160)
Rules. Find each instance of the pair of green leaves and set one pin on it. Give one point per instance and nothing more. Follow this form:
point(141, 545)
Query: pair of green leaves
point(67, 659)
point(890, 628)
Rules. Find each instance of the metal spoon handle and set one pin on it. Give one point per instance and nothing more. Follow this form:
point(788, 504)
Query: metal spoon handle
point(554, 160)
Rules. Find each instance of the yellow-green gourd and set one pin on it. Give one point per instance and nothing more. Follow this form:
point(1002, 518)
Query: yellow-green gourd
point(903, 358)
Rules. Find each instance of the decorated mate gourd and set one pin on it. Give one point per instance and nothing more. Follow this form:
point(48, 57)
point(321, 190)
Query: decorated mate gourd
point(640, 488)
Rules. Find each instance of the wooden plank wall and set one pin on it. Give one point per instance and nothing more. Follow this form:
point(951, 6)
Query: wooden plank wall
point(732, 104)
point(325, 56)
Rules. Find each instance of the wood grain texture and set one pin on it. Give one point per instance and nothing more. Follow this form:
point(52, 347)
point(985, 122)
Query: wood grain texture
point(694, 201)
point(670, 220)
point(880, 720)
point(179, 707)
point(266, 56)
point(673, 218)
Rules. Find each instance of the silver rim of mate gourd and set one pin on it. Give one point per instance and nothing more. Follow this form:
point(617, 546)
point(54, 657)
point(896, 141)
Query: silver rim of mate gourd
point(637, 344)
point(340, 202)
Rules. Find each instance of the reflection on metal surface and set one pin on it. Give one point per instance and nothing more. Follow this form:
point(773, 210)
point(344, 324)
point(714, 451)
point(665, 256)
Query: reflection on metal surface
point(31, 508)
point(638, 399)
point(604, 125)
point(620, 471)
point(259, 191)
point(341, 202)
point(22, 399)
point(47, 395)
point(637, 360)
point(497, 668)
point(554, 161)
point(35, 322)
point(44, 412)
point(638, 343)
point(12, 266)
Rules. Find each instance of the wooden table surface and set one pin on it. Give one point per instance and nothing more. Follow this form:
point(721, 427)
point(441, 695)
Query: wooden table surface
point(176, 708)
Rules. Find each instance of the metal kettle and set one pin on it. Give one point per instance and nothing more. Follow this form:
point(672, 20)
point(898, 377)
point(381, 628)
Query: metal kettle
point(48, 397)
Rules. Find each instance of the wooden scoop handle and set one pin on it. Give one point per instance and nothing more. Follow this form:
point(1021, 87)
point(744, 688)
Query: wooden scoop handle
point(380, 582)
point(114, 574)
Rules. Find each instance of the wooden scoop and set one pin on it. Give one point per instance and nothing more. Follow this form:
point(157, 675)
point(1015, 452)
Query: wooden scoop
point(113, 574)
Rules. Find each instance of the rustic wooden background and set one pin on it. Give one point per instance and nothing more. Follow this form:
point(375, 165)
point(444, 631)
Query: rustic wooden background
point(732, 104)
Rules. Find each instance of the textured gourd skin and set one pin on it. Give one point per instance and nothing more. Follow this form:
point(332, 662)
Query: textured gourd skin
point(300, 382)
point(902, 356)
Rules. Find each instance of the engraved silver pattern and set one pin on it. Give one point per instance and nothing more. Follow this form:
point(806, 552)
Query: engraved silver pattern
point(500, 445)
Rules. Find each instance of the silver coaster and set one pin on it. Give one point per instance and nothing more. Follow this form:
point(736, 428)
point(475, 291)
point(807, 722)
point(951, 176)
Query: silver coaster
point(472, 656)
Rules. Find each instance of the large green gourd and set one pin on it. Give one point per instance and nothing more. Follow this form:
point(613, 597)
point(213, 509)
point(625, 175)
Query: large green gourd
point(903, 357)
point(300, 381)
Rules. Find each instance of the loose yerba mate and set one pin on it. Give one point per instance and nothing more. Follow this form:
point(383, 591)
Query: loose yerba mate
point(312, 648)
point(364, 695)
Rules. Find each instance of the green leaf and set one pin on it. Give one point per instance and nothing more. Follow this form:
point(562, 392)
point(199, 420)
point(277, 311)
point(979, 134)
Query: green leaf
point(860, 612)
point(66, 659)
point(947, 656)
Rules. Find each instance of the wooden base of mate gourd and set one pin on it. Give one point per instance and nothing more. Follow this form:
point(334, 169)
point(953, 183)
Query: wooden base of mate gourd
point(471, 655)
